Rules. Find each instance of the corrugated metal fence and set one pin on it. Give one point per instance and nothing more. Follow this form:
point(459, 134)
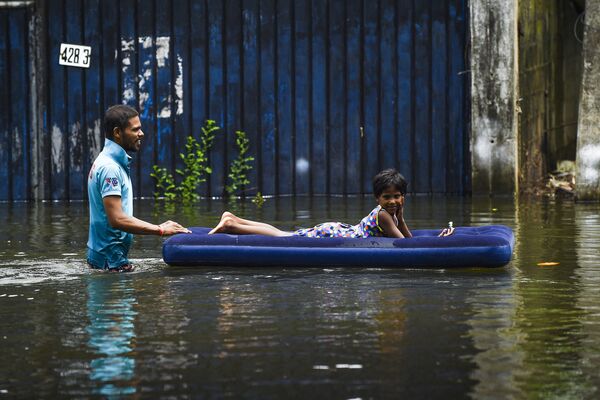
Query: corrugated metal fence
point(328, 91)
point(15, 104)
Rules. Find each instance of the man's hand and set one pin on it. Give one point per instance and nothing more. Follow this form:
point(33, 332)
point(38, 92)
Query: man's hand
point(171, 227)
point(119, 220)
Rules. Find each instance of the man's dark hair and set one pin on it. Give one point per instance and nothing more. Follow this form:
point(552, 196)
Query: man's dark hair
point(117, 117)
point(389, 178)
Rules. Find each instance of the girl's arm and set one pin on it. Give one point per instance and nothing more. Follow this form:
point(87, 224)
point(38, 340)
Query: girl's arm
point(388, 225)
point(401, 223)
point(403, 227)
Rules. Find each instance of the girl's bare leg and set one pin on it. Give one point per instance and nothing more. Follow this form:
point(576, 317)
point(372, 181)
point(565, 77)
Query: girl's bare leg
point(230, 223)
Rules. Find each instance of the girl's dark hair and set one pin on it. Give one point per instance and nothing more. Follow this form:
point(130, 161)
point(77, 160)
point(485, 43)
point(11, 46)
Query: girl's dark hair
point(117, 117)
point(389, 178)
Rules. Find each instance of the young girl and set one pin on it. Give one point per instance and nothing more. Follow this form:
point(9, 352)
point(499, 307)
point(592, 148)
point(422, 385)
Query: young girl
point(387, 219)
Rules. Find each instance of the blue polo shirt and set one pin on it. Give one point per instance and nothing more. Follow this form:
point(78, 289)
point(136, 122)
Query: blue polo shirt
point(109, 176)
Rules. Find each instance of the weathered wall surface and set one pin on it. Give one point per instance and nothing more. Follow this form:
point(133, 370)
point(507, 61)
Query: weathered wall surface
point(493, 95)
point(524, 105)
point(549, 81)
point(588, 135)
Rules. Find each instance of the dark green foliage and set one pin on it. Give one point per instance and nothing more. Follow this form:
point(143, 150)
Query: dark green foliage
point(258, 200)
point(195, 168)
point(165, 184)
point(240, 166)
point(196, 162)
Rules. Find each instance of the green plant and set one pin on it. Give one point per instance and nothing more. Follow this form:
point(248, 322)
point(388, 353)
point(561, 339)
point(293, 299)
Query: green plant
point(240, 166)
point(259, 200)
point(165, 184)
point(195, 168)
point(195, 162)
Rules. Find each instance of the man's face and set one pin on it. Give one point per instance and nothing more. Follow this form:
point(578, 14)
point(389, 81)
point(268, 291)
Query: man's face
point(131, 137)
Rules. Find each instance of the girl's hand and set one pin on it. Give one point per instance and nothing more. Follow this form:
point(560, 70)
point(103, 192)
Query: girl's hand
point(400, 210)
point(446, 232)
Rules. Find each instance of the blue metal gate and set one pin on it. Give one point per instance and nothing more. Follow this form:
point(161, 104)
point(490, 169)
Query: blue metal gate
point(15, 104)
point(328, 91)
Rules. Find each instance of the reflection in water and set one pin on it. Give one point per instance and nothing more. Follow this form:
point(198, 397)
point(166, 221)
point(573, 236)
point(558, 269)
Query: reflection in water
point(588, 275)
point(164, 350)
point(548, 320)
point(111, 314)
point(493, 314)
point(36, 230)
point(336, 333)
point(498, 357)
point(391, 320)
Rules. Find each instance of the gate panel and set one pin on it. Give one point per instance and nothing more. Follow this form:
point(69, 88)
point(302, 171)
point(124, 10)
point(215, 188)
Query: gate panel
point(144, 48)
point(76, 142)
point(268, 123)
point(370, 100)
point(421, 156)
point(353, 131)
point(336, 98)
point(302, 94)
point(404, 95)
point(15, 100)
point(5, 142)
point(57, 104)
point(250, 84)
point(92, 98)
point(439, 105)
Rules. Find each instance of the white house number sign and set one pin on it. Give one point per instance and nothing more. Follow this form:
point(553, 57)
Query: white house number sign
point(74, 55)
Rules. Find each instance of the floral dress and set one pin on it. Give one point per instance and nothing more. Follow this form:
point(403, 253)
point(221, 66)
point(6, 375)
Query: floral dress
point(368, 226)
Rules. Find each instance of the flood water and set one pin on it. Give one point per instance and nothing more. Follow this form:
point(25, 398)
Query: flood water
point(523, 331)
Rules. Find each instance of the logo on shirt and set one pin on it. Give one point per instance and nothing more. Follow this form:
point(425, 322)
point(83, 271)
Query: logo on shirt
point(112, 181)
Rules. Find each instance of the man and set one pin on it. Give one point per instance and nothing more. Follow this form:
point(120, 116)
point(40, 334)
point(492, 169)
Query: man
point(110, 193)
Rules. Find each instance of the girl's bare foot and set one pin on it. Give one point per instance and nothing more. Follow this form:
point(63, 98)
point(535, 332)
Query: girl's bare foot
point(227, 216)
point(217, 229)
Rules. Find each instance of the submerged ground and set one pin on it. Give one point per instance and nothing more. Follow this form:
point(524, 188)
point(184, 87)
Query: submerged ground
point(522, 331)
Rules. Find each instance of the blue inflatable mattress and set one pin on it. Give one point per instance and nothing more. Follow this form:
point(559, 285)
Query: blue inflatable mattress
point(483, 246)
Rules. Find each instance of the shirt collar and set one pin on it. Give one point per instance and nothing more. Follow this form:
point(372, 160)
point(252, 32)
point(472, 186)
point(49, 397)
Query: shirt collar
point(116, 152)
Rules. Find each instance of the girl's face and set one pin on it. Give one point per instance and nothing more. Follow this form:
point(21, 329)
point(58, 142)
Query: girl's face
point(391, 200)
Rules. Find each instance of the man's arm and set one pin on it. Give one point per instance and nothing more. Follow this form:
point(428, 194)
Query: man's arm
point(119, 220)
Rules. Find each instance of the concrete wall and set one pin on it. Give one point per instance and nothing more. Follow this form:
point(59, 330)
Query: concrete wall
point(493, 96)
point(588, 135)
point(526, 63)
point(550, 58)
